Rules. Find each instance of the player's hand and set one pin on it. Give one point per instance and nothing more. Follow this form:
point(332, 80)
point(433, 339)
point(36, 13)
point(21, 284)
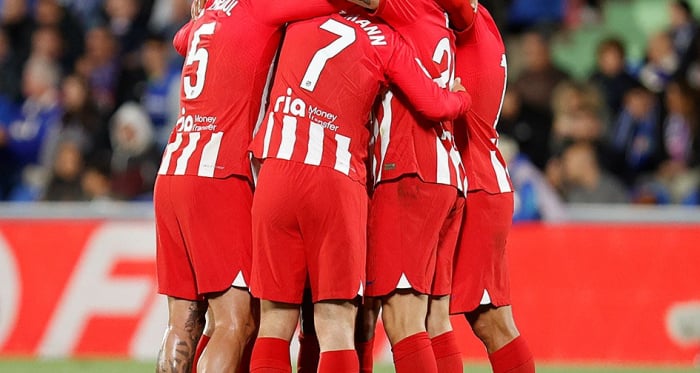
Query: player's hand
point(474, 4)
point(457, 86)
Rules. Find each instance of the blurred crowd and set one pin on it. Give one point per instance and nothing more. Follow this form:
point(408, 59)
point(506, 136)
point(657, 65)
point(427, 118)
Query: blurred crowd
point(89, 91)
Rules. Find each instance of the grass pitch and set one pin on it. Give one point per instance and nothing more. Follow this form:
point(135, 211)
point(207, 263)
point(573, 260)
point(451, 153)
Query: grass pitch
point(119, 366)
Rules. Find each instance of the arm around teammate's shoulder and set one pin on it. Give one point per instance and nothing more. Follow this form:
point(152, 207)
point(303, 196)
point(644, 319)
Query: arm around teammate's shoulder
point(277, 13)
point(424, 95)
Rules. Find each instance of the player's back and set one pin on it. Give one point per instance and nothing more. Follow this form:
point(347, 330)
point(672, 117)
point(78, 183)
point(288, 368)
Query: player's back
point(329, 73)
point(481, 62)
point(230, 49)
point(409, 144)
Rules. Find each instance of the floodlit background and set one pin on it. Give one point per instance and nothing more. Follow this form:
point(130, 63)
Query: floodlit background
point(600, 124)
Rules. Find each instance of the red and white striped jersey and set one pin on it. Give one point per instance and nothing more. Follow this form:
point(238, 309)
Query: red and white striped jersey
point(481, 62)
point(404, 142)
point(329, 73)
point(229, 53)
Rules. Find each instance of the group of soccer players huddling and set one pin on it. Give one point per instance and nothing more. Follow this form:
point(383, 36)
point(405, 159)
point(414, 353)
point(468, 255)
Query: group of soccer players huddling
point(328, 164)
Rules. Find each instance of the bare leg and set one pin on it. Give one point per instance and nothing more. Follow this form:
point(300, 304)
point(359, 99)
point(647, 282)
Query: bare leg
point(185, 325)
point(335, 324)
point(404, 314)
point(233, 326)
point(439, 316)
point(495, 327)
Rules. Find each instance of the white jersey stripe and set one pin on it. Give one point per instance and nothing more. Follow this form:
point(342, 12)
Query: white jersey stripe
point(210, 153)
point(342, 154)
point(443, 168)
point(181, 167)
point(289, 137)
point(315, 149)
point(501, 174)
point(457, 164)
point(268, 134)
point(265, 94)
point(384, 133)
point(169, 150)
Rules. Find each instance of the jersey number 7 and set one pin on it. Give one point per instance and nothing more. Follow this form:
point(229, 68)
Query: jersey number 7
point(346, 36)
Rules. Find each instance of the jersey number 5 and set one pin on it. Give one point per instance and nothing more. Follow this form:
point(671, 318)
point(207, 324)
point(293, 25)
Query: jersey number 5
point(346, 36)
point(201, 55)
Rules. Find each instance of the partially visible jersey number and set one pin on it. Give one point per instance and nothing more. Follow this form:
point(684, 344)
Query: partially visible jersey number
point(200, 55)
point(346, 36)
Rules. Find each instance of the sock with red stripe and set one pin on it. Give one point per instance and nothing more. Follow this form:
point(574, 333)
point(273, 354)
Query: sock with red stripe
point(365, 351)
point(414, 354)
point(309, 351)
point(270, 355)
point(515, 357)
point(341, 361)
point(447, 353)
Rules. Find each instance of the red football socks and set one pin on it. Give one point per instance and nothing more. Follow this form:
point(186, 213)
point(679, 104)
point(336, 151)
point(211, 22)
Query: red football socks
point(203, 340)
point(309, 351)
point(447, 353)
point(365, 353)
point(515, 357)
point(414, 354)
point(342, 361)
point(270, 355)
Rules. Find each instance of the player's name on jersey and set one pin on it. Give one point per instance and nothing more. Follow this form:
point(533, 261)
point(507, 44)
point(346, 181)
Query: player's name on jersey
point(224, 5)
point(376, 37)
point(298, 108)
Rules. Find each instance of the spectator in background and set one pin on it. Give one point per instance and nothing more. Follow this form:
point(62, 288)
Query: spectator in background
point(135, 157)
point(19, 26)
point(535, 198)
point(47, 44)
point(96, 181)
point(611, 76)
point(100, 66)
point(64, 181)
point(39, 118)
point(51, 14)
point(539, 76)
point(531, 129)
point(661, 64)
point(11, 68)
point(636, 140)
point(582, 180)
point(162, 92)
point(524, 14)
point(82, 119)
point(683, 26)
point(121, 18)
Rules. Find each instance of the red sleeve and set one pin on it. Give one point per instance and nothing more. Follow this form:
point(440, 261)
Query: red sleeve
point(398, 13)
point(461, 13)
point(277, 13)
point(426, 98)
point(182, 37)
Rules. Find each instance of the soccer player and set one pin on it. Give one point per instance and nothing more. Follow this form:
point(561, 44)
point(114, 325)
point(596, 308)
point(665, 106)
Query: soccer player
point(310, 206)
point(480, 285)
point(203, 193)
point(419, 181)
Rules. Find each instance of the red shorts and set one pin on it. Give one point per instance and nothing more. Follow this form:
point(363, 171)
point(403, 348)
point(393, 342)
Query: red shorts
point(310, 223)
point(203, 232)
point(413, 229)
point(480, 268)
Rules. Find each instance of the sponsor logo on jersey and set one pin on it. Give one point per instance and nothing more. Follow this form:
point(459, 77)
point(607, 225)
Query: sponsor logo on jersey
point(297, 107)
point(195, 123)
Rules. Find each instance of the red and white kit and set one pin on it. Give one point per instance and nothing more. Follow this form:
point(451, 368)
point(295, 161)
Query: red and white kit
point(330, 71)
point(408, 146)
point(221, 99)
point(480, 271)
